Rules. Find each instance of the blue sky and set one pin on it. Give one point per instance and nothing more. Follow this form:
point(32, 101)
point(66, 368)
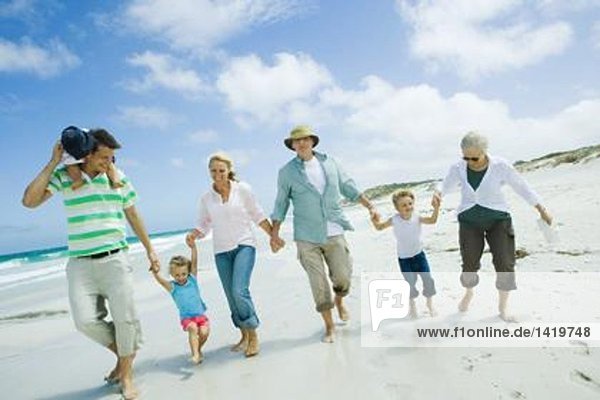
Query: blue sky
point(390, 87)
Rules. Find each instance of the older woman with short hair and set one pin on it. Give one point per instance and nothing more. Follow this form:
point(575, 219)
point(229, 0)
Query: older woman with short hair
point(483, 215)
point(229, 208)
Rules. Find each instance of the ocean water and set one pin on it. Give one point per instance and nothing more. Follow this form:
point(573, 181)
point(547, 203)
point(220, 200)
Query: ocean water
point(38, 265)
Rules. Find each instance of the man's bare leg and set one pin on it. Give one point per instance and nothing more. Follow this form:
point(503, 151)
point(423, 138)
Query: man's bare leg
point(502, 303)
point(115, 375)
point(128, 389)
point(329, 336)
point(243, 343)
point(253, 345)
point(463, 306)
point(341, 308)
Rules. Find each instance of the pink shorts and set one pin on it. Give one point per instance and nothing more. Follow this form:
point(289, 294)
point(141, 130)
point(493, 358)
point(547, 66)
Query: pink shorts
point(200, 320)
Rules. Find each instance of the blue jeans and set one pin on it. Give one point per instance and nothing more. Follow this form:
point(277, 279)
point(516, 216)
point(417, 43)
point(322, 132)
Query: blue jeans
point(417, 266)
point(235, 268)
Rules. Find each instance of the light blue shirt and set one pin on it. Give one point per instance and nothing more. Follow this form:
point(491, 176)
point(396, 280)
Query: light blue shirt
point(311, 209)
point(187, 298)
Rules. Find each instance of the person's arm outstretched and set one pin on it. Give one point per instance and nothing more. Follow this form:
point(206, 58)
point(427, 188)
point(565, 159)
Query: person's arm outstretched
point(432, 219)
point(376, 221)
point(161, 281)
point(194, 256)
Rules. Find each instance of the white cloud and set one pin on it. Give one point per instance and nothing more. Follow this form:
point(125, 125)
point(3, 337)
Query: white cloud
point(27, 57)
point(480, 37)
point(269, 93)
point(163, 72)
point(200, 25)
point(147, 117)
point(400, 133)
point(204, 136)
point(561, 6)
point(413, 132)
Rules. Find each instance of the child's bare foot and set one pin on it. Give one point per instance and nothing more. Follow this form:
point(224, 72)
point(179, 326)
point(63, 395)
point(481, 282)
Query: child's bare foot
point(463, 306)
point(77, 184)
point(197, 358)
point(341, 308)
point(329, 336)
point(412, 309)
point(432, 310)
point(116, 184)
point(253, 346)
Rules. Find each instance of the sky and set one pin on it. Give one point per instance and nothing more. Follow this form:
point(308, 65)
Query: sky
point(389, 86)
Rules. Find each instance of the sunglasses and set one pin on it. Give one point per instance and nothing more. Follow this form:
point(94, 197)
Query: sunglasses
point(474, 159)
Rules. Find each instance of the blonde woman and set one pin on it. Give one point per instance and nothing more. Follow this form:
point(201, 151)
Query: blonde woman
point(229, 209)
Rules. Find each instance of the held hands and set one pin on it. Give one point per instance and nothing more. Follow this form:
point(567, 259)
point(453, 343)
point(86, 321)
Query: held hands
point(190, 240)
point(545, 216)
point(277, 243)
point(436, 200)
point(154, 262)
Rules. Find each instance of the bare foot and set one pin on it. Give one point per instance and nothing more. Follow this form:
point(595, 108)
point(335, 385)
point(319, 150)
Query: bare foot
point(463, 306)
point(412, 309)
point(117, 185)
point(432, 310)
point(114, 376)
point(253, 346)
point(507, 318)
point(329, 336)
point(128, 390)
point(341, 308)
point(196, 358)
point(242, 345)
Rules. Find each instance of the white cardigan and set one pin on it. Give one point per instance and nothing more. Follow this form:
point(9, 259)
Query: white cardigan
point(489, 193)
point(231, 222)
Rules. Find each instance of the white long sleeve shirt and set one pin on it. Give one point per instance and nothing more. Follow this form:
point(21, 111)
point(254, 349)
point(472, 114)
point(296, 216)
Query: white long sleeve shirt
point(231, 222)
point(489, 193)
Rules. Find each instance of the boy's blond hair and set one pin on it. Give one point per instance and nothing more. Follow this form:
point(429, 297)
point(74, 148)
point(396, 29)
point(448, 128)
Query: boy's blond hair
point(180, 261)
point(398, 194)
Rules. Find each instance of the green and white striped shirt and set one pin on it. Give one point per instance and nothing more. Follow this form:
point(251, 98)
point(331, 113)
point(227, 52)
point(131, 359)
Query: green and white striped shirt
point(95, 218)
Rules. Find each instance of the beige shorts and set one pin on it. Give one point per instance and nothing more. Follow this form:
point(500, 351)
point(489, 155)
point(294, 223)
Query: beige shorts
point(335, 254)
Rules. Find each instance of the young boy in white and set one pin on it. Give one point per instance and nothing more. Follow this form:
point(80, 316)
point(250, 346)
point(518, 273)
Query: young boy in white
point(411, 257)
point(186, 293)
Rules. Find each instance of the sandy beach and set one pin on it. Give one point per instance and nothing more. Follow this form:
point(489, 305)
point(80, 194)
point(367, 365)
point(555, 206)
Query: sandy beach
point(43, 357)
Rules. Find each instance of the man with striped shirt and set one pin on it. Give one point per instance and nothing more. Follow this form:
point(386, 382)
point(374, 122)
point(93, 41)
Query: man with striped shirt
point(99, 271)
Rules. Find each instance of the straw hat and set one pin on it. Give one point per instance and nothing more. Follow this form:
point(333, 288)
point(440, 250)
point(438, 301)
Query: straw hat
point(299, 132)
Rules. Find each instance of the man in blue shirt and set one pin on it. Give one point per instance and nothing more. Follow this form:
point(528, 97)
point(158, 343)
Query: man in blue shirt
point(315, 184)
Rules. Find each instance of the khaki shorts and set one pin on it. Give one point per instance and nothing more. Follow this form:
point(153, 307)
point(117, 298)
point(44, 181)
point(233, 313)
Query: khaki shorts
point(336, 255)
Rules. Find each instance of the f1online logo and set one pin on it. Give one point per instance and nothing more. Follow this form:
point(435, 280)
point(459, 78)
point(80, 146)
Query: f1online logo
point(388, 299)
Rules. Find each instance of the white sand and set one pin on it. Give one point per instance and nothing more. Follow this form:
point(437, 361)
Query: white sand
point(45, 358)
